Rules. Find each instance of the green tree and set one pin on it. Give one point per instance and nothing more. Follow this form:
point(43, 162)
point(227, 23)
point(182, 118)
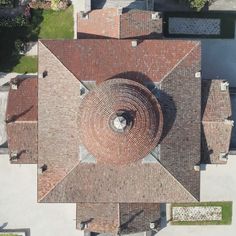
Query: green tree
point(198, 4)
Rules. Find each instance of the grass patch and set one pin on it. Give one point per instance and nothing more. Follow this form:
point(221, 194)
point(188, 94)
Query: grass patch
point(27, 64)
point(226, 213)
point(44, 24)
point(9, 234)
point(56, 24)
point(21, 64)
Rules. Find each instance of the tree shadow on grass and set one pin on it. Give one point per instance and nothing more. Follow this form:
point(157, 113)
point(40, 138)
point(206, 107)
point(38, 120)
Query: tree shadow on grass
point(9, 56)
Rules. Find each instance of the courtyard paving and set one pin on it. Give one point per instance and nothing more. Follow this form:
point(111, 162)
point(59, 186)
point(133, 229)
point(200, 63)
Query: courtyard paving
point(19, 208)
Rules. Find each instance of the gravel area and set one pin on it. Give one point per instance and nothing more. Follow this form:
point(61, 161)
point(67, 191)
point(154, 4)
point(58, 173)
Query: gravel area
point(197, 213)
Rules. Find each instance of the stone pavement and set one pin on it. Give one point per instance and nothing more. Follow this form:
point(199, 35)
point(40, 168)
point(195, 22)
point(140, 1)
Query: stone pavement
point(223, 5)
point(19, 208)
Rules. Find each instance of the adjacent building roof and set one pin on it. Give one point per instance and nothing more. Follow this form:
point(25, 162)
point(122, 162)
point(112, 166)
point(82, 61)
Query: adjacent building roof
point(168, 67)
point(21, 118)
point(118, 23)
point(216, 115)
point(122, 218)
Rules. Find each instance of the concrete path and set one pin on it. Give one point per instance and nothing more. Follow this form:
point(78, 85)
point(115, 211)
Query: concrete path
point(19, 207)
point(3, 106)
point(217, 184)
point(6, 77)
point(32, 49)
point(223, 5)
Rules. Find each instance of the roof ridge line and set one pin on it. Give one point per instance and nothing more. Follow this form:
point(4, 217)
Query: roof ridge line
point(209, 121)
point(168, 172)
point(180, 61)
point(58, 182)
point(63, 63)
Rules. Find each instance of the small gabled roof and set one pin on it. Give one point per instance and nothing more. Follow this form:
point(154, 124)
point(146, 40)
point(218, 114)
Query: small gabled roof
point(21, 118)
point(120, 24)
point(117, 218)
point(216, 116)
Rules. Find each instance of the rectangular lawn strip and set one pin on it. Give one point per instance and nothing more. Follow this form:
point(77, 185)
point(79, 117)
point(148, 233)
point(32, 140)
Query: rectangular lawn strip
point(27, 64)
point(56, 24)
point(226, 213)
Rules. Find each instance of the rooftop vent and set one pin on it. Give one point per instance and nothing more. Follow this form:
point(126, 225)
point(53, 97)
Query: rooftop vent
point(14, 156)
point(156, 16)
point(229, 122)
point(134, 43)
point(198, 75)
point(197, 168)
point(14, 83)
point(223, 157)
point(224, 85)
point(120, 11)
point(83, 225)
point(42, 168)
point(84, 15)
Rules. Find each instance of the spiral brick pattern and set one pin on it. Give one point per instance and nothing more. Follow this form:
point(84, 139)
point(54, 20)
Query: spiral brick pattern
point(102, 104)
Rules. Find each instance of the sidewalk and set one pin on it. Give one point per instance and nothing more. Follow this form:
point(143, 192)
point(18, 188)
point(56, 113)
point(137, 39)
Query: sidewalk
point(19, 208)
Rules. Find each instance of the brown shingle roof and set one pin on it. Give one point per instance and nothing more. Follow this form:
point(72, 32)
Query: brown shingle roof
point(216, 131)
point(22, 138)
point(21, 117)
point(100, 60)
point(174, 64)
point(123, 218)
point(110, 23)
point(23, 102)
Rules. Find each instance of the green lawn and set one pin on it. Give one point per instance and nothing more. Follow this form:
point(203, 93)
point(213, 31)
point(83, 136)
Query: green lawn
point(21, 64)
point(9, 234)
point(57, 24)
point(44, 24)
point(26, 64)
point(226, 213)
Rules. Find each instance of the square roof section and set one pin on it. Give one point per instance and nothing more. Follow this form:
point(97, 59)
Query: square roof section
point(170, 63)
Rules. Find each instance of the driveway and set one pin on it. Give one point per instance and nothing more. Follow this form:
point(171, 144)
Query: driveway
point(217, 184)
point(19, 207)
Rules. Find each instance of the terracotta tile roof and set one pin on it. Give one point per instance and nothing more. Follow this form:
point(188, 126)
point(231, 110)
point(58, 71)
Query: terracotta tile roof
point(141, 111)
point(100, 217)
point(57, 121)
point(216, 104)
point(22, 103)
point(181, 147)
point(21, 117)
point(216, 130)
point(105, 22)
point(111, 23)
point(172, 62)
point(102, 183)
point(139, 24)
point(123, 218)
point(22, 137)
point(100, 60)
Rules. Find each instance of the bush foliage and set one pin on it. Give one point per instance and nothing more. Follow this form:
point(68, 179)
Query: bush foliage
point(198, 4)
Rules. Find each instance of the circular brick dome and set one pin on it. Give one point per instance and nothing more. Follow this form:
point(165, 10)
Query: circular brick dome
point(120, 121)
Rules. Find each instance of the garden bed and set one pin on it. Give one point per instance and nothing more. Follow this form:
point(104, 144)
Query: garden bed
point(211, 208)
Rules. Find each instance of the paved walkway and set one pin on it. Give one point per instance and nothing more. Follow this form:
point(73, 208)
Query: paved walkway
point(223, 5)
point(3, 106)
point(32, 49)
point(19, 207)
point(6, 77)
point(217, 184)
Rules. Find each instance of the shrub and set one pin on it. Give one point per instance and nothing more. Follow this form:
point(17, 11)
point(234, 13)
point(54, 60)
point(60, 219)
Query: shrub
point(198, 4)
point(13, 22)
